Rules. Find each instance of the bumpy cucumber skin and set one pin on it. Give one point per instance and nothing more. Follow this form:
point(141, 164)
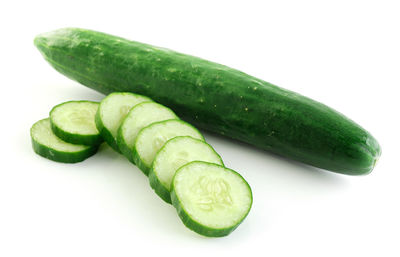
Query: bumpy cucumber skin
point(61, 156)
point(105, 133)
point(215, 97)
point(194, 225)
point(156, 184)
point(74, 138)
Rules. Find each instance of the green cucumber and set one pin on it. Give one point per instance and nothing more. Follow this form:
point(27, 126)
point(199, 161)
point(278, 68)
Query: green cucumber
point(46, 144)
point(151, 138)
point(73, 122)
point(175, 153)
point(210, 199)
point(139, 117)
point(112, 110)
point(215, 97)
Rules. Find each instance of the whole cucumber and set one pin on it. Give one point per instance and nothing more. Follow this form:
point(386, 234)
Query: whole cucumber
point(214, 97)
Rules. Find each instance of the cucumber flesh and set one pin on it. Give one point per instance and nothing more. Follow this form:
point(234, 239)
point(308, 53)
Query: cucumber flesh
point(139, 117)
point(175, 153)
point(151, 138)
point(112, 111)
point(73, 122)
point(46, 144)
point(210, 199)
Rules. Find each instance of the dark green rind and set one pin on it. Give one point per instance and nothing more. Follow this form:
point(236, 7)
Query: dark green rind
point(105, 133)
point(136, 157)
point(156, 184)
point(139, 163)
point(61, 156)
point(124, 148)
point(159, 188)
point(215, 97)
point(74, 138)
point(195, 226)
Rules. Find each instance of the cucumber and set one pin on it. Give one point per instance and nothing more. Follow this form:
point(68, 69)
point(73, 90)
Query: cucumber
point(215, 98)
point(112, 110)
point(210, 199)
point(175, 153)
point(139, 117)
point(151, 138)
point(73, 122)
point(46, 144)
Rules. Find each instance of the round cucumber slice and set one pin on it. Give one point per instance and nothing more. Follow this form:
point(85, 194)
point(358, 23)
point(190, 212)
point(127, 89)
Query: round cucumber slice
point(112, 110)
point(140, 116)
point(210, 199)
point(73, 122)
point(151, 138)
point(175, 153)
point(46, 144)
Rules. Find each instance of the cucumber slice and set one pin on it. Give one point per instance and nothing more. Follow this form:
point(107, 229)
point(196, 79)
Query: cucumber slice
point(73, 122)
point(46, 144)
point(210, 199)
point(112, 111)
point(151, 138)
point(139, 117)
point(175, 153)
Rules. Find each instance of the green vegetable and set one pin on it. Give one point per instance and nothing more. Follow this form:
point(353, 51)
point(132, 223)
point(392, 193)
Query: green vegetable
point(175, 153)
point(210, 199)
point(214, 97)
point(73, 122)
point(151, 138)
point(48, 145)
point(112, 111)
point(139, 117)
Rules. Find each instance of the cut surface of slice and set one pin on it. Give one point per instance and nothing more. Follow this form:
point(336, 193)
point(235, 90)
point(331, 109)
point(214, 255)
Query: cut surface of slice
point(151, 138)
point(175, 153)
point(46, 144)
point(210, 199)
point(112, 110)
point(140, 116)
point(73, 122)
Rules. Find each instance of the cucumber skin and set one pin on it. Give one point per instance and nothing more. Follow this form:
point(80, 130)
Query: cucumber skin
point(124, 148)
point(61, 156)
point(64, 157)
point(139, 163)
point(75, 138)
point(195, 226)
point(259, 113)
point(158, 188)
point(105, 133)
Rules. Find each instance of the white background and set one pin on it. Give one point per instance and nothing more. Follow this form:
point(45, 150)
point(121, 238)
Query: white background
point(342, 53)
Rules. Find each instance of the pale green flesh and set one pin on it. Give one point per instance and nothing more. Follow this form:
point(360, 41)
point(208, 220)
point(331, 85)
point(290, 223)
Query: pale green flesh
point(142, 115)
point(151, 138)
point(212, 195)
point(115, 107)
point(178, 152)
point(41, 133)
point(76, 117)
